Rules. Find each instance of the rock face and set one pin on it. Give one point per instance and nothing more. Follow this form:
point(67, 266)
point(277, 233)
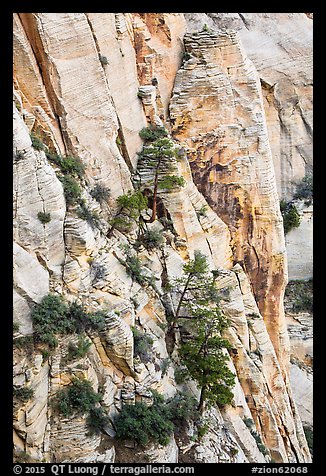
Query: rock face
point(217, 115)
point(86, 84)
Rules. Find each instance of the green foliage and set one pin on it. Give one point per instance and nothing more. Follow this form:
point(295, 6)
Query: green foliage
point(299, 295)
point(134, 269)
point(133, 203)
point(54, 317)
point(23, 394)
point(309, 437)
point(152, 133)
point(249, 422)
point(69, 165)
point(37, 142)
point(181, 375)
point(304, 189)
point(182, 407)
point(100, 193)
point(121, 223)
point(262, 448)
point(151, 239)
point(78, 398)
point(186, 56)
point(131, 206)
point(97, 320)
point(19, 155)
point(97, 420)
point(169, 182)
point(207, 364)
point(44, 217)
point(202, 429)
point(71, 189)
point(202, 212)
point(103, 59)
point(24, 342)
point(144, 424)
point(50, 318)
point(291, 217)
point(15, 326)
point(142, 345)
point(80, 350)
point(86, 214)
point(164, 365)
point(205, 28)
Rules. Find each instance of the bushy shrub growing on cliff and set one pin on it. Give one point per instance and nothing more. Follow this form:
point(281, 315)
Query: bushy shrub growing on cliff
point(44, 217)
point(169, 182)
point(144, 424)
point(142, 345)
point(291, 217)
point(151, 239)
point(100, 193)
point(78, 398)
point(131, 205)
point(152, 133)
point(71, 189)
point(23, 394)
point(86, 214)
point(79, 350)
point(53, 317)
point(37, 142)
point(69, 165)
point(304, 189)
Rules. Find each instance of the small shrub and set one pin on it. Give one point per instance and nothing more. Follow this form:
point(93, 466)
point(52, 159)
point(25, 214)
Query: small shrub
point(121, 223)
point(98, 271)
point(181, 375)
point(69, 165)
point(50, 318)
point(78, 398)
point(169, 182)
point(304, 189)
point(24, 342)
point(309, 437)
point(16, 326)
point(44, 217)
point(249, 422)
point(291, 217)
point(37, 142)
point(142, 345)
point(71, 189)
point(151, 239)
point(103, 59)
point(299, 295)
point(100, 193)
point(133, 268)
point(152, 133)
point(186, 56)
point(202, 212)
point(97, 420)
point(19, 155)
point(97, 320)
point(23, 394)
point(86, 214)
point(202, 429)
point(80, 350)
point(143, 424)
point(183, 407)
point(165, 364)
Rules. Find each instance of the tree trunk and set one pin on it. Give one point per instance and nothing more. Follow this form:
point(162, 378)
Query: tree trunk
point(201, 405)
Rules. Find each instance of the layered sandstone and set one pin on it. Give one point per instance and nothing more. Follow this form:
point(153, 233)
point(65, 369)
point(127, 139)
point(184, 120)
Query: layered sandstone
point(87, 84)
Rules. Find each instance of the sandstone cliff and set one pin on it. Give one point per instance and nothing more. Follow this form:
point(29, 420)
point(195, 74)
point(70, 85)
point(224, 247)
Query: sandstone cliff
point(86, 84)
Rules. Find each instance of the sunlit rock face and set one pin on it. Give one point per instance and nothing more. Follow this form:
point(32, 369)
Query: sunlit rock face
point(86, 84)
point(217, 114)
